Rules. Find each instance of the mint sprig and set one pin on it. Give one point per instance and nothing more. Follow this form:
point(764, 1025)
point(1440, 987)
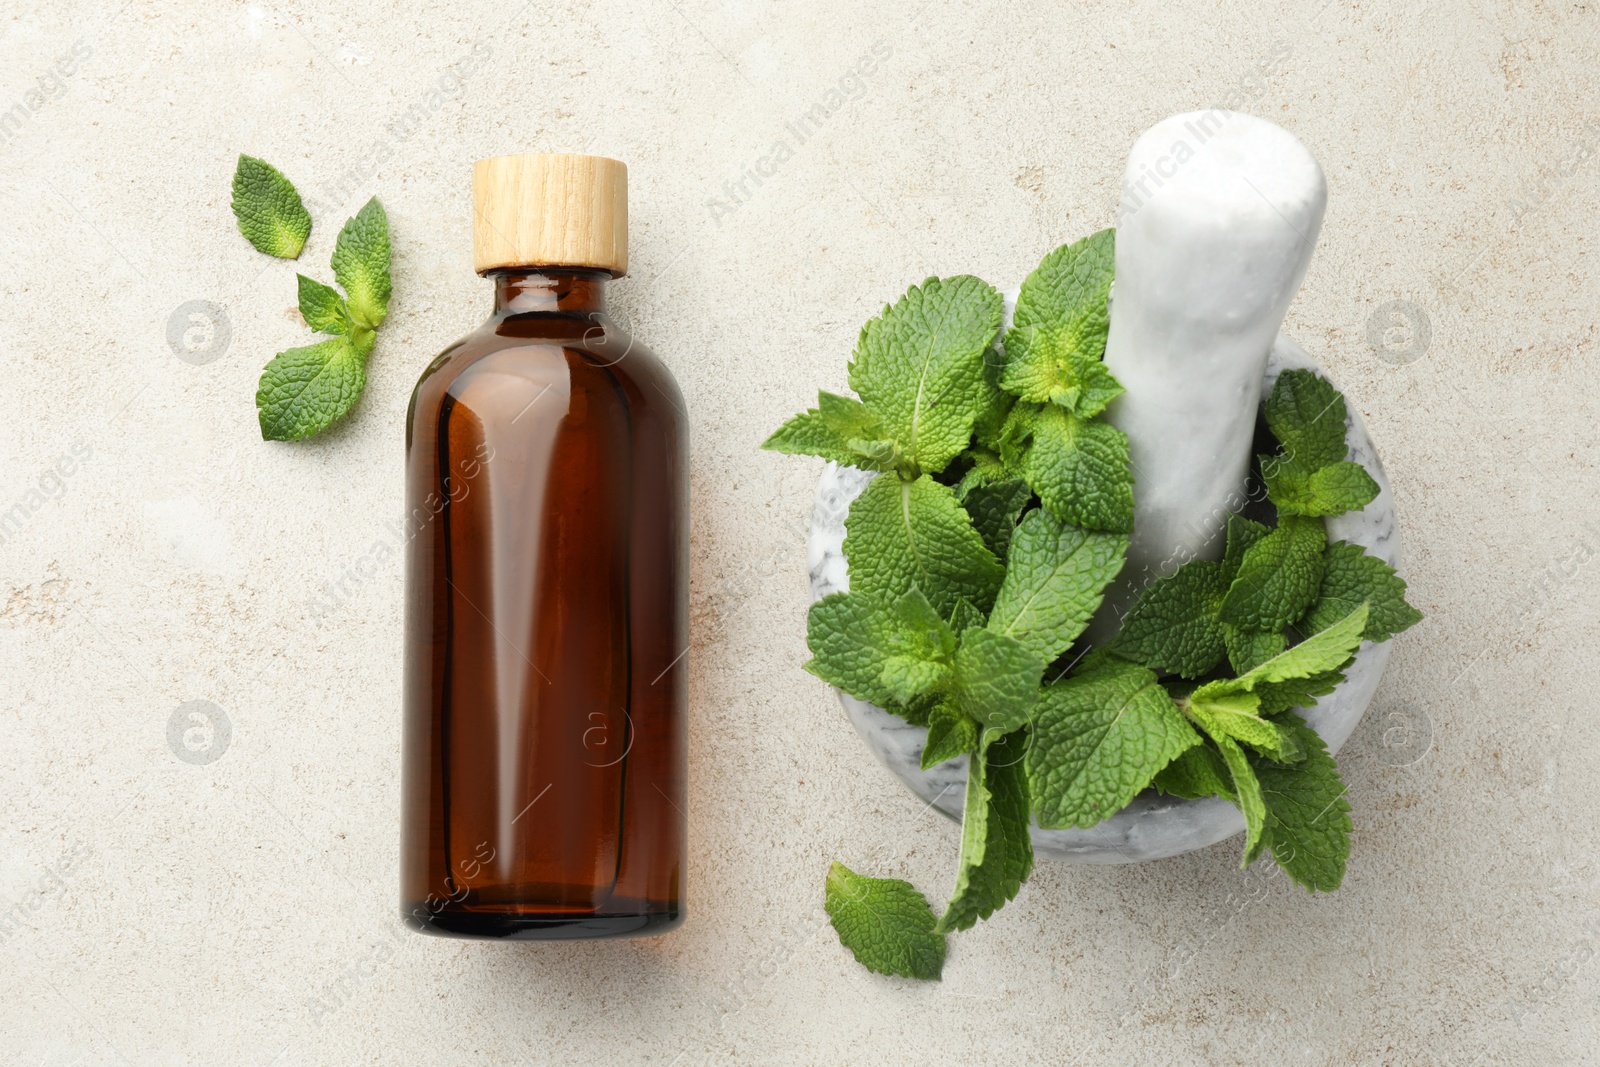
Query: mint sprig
point(996, 853)
point(305, 390)
point(1310, 475)
point(1001, 510)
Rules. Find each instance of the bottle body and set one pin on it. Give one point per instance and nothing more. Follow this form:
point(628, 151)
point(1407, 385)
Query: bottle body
point(546, 626)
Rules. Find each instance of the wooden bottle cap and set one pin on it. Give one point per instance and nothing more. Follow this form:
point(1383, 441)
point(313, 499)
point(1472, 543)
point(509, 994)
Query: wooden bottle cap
point(540, 210)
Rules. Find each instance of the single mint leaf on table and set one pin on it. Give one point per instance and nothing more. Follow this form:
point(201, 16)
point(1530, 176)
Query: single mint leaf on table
point(882, 652)
point(1247, 650)
point(1054, 581)
point(1307, 823)
point(1077, 466)
point(1352, 577)
point(920, 366)
point(1173, 625)
point(996, 679)
point(885, 923)
point(1098, 739)
point(1199, 771)
point(901, 533)
point(1307, 416)
point(322, 307)
point(269, 210)
point(304, 390)
point(361, 265)
point(1279, 577)
point(995, 509)
point(951, 733)
point(1054, 349)
point(996, 851)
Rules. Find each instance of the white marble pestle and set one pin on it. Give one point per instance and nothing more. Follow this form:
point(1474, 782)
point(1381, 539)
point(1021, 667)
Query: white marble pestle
point(1220, 213)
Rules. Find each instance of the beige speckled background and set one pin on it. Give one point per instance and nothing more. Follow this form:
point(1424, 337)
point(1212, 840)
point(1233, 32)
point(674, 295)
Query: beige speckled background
point(243, 911)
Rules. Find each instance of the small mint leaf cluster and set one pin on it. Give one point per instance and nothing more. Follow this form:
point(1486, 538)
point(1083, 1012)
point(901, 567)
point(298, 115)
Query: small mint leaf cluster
point(1001, 511)
point(305, 390)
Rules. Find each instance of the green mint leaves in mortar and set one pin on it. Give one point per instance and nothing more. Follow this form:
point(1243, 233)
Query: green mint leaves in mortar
point(1000, 510)
point(305, 390)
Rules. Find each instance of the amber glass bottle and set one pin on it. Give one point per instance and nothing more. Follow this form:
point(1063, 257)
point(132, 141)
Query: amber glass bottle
point(546, 621)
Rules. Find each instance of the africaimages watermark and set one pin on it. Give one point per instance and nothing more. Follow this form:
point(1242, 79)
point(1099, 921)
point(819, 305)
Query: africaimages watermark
point(851, 86)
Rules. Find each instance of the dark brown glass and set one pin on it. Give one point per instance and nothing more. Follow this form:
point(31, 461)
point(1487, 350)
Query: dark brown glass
point(546, 626)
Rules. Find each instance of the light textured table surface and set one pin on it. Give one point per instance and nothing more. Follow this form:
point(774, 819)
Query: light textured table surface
point(175, 896)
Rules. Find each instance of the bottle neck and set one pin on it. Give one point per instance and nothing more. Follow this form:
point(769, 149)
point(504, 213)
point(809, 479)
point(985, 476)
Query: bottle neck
point(549, 290)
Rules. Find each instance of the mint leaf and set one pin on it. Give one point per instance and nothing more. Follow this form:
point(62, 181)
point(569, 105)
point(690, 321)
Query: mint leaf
point(902, 533)
point(1278, 697)
point(303, 390)
point(1296, 677)
point(269, 210)
point(1054, 581)
point(1173, 625)
point(984, 468)
point(964, 616)
point(876, 651)
point(997, 678)
point(1053, 352)
point(1307, 416)
point(951, 733)
point(1235, 715)
point(1352, 577)
point(1307, 823)
point(1247, 650)
point(1326, 650)
point(1246, 794)
point(885, 923)
point(808, 434)
point(996, 851)
point(839, 428)
point(994, 405)
point(1279, 577)
point(1047, 364)
point(1079, 467)
point(1098, 739)
point(920, 366)
point(322, 307)
point(914, 711)
point(1199, 771)
point(1331, 490)
point(995, 509)
point(361, 264)
point(1341, 487)
point(1242, 533)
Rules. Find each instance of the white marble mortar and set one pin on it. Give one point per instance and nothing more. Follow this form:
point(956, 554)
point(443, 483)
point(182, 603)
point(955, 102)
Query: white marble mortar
point(1152, 827)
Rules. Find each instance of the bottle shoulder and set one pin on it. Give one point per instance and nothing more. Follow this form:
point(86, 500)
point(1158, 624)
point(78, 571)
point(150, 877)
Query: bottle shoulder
point(538, 346)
